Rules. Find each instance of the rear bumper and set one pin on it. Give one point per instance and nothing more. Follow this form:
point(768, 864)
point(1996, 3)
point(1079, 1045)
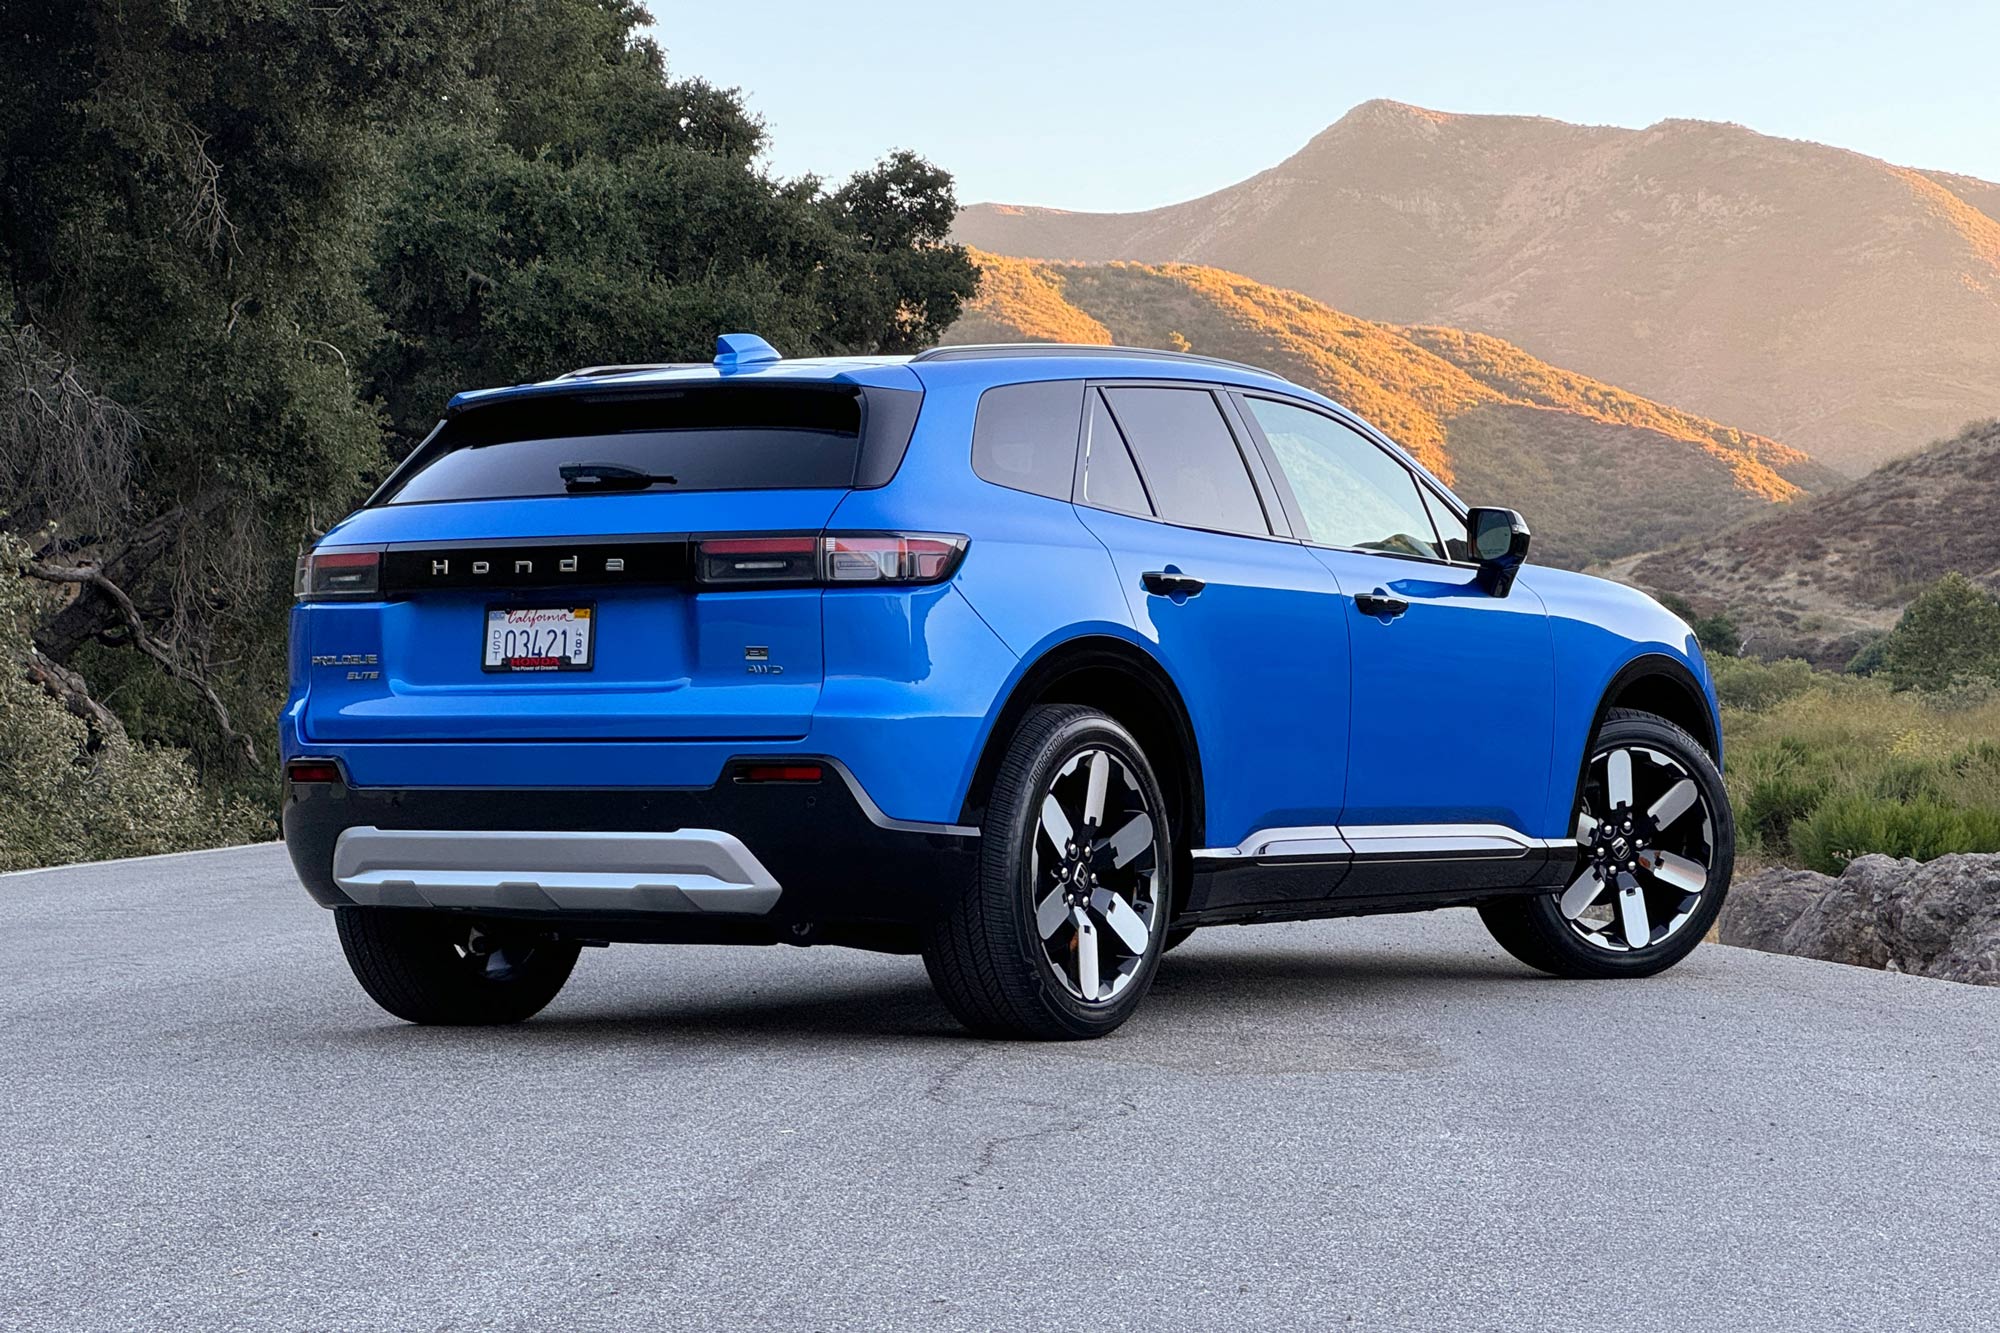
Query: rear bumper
point(573, 870)
point(738, 860)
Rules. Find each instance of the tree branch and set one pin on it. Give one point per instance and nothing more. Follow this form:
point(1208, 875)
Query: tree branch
point(67, 688)
point(143, 639)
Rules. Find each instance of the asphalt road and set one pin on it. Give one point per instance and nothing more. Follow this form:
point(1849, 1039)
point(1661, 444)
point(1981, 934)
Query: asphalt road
point(1368, 1124)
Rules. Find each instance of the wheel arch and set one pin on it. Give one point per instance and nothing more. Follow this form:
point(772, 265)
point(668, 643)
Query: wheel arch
point(1124, 681)
point(1663, 686)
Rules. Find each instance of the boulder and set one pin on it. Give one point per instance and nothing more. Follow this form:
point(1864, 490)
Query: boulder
point(1935, 918)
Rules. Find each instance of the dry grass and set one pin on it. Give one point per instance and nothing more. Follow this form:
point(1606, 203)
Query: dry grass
point(1823, 768)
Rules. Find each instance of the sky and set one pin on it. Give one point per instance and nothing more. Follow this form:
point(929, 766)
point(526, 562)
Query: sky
point(1131, 105)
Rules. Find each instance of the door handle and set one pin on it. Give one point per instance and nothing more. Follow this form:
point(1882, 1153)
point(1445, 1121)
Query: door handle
point(1169, 582)
point(1380, 603)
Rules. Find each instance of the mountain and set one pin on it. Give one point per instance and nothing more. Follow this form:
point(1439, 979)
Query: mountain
point(1599, 472)
point(1803, 292)
point(1818, 578)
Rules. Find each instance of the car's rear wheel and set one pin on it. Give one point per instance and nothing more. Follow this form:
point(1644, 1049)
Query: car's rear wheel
point(434, 967)
point(1060, 930)
point(1656, 847)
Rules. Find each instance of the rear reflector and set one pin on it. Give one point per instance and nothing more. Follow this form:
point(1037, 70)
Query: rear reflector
point(780, 773)
point(312, 770)
point(337, 573)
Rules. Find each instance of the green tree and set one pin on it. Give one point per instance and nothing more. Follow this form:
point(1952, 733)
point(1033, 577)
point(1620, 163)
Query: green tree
point(186, 213)
point(581, 207)
point(1952, 629)
point(250, 243)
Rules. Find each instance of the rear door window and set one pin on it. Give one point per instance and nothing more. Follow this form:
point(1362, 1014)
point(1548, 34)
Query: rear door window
point(696, 439)
point(1189, 459)
point(1024, 436)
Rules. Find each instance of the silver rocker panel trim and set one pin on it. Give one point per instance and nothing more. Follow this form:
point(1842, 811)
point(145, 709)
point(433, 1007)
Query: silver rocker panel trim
point(690, 870)
point(1386, 842)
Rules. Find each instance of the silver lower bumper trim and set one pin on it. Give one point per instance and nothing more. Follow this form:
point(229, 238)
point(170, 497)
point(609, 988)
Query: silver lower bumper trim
point(691, 870)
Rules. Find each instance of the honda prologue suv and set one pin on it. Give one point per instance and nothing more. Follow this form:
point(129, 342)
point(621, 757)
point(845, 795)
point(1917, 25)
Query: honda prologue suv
point(1031, 660)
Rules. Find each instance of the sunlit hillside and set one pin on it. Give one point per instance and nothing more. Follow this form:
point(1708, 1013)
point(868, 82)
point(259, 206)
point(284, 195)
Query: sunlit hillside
point(1598, 471)
point(1816, 580)
point(1809, 293)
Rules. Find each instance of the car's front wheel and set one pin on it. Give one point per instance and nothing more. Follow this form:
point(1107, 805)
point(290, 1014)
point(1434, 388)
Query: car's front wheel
point(1656, 847)
point(436, 967)
point(1061, 928)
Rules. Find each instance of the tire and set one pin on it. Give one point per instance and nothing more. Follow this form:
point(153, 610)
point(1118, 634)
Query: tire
point(994, 965)
point(1538, 931)
point(434, 968)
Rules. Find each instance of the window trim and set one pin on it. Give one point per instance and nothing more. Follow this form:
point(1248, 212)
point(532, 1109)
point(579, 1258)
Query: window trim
point(1269, 500)
point(1369, 435)
point(1092, 399)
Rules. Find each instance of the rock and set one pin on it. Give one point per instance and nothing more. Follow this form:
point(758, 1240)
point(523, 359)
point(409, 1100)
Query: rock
point(1932, 919)
point(1944, 920)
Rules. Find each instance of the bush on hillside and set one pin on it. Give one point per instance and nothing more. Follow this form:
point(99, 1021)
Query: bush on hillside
point(1951, 630)
point(1718, 634)
point(1870, 659)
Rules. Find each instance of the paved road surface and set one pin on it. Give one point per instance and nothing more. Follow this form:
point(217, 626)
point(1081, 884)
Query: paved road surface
point(1365, 1124)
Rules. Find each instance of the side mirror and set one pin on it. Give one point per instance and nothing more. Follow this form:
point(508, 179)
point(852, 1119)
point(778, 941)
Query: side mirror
point(1499, 540)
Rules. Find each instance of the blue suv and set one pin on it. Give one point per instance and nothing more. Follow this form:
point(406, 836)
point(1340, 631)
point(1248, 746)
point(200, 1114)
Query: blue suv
point(1028, 659)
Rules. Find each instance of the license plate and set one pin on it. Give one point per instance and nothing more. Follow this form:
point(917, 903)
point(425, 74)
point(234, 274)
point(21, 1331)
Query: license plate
point(538, 638)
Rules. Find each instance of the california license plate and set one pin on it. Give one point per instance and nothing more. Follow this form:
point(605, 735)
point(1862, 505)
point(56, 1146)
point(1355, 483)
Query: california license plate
point(538, 638)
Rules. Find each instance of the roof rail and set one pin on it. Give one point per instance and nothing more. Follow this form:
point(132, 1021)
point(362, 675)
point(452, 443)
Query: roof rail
point(982, 351)
point(598, 372)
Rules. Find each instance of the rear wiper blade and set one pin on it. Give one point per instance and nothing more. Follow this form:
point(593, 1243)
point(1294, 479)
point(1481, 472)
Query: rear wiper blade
point(587, 477)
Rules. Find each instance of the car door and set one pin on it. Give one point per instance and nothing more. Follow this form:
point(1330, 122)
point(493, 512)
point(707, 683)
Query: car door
point(1246, 621)
point(1453, 689)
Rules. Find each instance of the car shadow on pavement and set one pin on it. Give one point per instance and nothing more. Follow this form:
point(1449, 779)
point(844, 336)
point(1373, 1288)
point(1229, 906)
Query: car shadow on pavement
point(1208, 986)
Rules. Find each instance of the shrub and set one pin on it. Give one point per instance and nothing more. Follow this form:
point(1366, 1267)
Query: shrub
point(1851, 826)
point(1965, 691)
point(70, 797)
point(1871, 659)
point(1774, 803)
point(1952, 629)
point(1718, 634)
point(1743, 682)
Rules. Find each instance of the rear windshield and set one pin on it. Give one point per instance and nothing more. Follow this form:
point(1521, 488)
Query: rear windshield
point(697, 439)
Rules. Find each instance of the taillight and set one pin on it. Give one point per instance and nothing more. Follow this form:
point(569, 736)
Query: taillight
point(338, 573)
point(891, 557)
point(843, 558)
